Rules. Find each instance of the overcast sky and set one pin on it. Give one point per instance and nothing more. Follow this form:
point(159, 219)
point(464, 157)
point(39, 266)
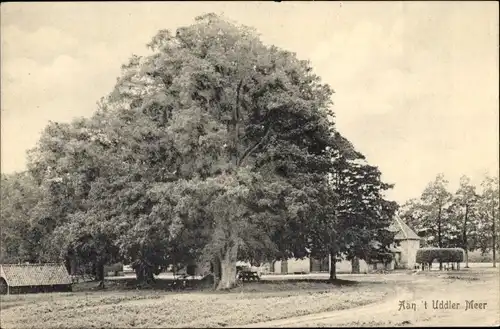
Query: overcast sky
point(416, 83)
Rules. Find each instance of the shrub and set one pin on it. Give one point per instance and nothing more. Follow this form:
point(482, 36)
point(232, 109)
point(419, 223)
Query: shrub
point(442, 255)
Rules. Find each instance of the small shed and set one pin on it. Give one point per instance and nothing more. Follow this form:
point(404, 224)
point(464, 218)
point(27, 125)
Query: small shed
point(17, 278)
point(408, 243)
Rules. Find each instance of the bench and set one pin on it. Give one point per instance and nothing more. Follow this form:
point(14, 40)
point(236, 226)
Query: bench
point(248, 276)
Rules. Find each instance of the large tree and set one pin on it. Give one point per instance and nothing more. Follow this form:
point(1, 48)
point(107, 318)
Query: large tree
point(355, 215)
point(217, 121)
point(364, 214)
point(213, 148)
point(67, 162)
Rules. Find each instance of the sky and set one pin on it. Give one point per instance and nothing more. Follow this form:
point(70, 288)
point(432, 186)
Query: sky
point(416, 83)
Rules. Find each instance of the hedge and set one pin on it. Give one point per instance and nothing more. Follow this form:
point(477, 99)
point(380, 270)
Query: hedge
point(442, 255)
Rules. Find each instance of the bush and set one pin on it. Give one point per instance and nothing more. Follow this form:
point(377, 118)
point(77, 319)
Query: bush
point(442, 255)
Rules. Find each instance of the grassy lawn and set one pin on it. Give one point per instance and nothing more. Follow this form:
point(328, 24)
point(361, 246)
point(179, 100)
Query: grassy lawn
point(250, 303)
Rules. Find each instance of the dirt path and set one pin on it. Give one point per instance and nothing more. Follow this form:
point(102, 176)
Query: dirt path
point(420, 291)
point(338, 317)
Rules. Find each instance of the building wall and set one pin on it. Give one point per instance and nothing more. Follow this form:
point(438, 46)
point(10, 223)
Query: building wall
point(40, 289)
point(320, 265)
point(407, 259)
point(293, 266)
point(382, 266)
point(409, 252)
point(345, 266)
point(304, 266)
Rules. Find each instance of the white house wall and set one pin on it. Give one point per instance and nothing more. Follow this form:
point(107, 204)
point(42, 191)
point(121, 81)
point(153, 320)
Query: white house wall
point(304, 266)
point(345, 266)
point(294, 266)
point(409, 252)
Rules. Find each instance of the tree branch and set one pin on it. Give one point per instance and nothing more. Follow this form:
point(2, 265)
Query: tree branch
point(251, 149)
point(236, 118)
point(237, 107)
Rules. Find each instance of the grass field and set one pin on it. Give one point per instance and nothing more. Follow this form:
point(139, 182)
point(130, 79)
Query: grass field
point(371, 301)
point(253, 302)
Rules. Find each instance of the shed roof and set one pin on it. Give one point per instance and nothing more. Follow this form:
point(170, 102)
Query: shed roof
point(404, 232)
point(18, 275)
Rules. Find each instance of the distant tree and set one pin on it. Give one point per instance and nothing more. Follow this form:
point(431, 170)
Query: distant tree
point(432, 216)
point(488, 212)
point(67, 162)
point(464, 207)
point(436, 199)
point(413, 213)
point(19, 236)
point(466, 219)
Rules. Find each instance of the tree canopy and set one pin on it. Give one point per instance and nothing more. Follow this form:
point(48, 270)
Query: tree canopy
point(216, 148)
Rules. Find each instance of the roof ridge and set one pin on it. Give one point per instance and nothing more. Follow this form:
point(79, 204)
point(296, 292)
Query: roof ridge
point(18, 275)
point(398, 220)
point(407, 231)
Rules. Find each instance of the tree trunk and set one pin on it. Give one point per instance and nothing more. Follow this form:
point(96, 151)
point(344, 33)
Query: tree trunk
point(355, 265)
point(228, 268)
point(465, 237)
point(440, 245)
point(216, 270)
point(73, 266)
point(100, 274)
point(494, 240)
point(143, 272)
point(333, 267)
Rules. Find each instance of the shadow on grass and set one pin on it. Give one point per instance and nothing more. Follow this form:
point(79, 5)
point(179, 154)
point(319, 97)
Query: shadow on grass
point(337, 282)
point(462, 277)
point(133, 284)
point(130, 284)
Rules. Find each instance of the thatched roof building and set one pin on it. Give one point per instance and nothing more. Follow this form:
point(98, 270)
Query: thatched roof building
point(34, 277)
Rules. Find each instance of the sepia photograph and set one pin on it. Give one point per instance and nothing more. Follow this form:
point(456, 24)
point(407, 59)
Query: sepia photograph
point(249, 164)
